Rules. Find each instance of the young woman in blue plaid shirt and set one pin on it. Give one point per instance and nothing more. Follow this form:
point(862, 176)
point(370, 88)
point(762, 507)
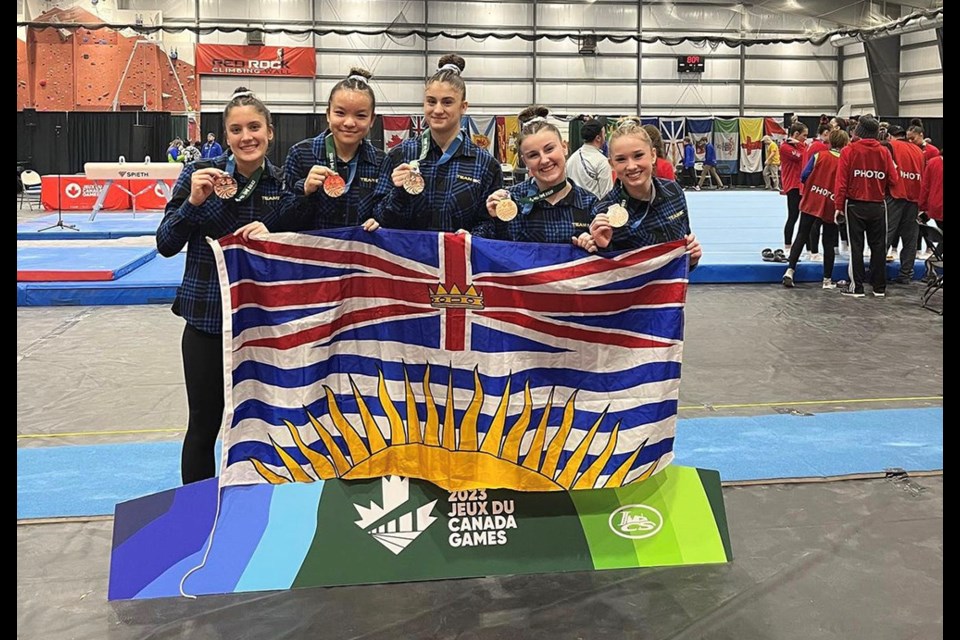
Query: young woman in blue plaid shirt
point(213, 198)
point(656, 208)
point(333, 176)
point(548, 207)
point(440, 180)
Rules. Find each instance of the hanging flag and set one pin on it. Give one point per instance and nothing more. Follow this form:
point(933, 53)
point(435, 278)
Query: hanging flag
point(450, 358)
point(726, 138)
point(644, 121)
point(396, 129)
point(751, 147)
point(418, 124)
point(700, 131)
point(672, 131)
point(511, 133)
point(772, 128)
point(482, 130)
point(501, 140)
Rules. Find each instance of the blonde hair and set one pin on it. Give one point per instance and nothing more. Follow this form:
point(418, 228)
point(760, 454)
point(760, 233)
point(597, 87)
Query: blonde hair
point(630, 128)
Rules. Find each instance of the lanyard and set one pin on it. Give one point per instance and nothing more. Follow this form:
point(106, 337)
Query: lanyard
point(543, 195)
point(624, 197)
point(447, 155)
point(251, 185)
point(332, 161)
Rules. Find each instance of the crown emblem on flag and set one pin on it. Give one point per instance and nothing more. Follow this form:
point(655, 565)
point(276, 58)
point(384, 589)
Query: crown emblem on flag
point(454, 299)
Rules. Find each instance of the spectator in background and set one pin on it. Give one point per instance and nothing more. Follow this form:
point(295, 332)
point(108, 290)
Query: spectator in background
point(587, 166)
point(689, 162)
point(771, 167)
point(791, 159)
point(191, 153)
point(916, 136)
point(710, 167)
point(663, 168)
point(931, 193)
point(211, 148)
point(174, 150)
point(865, 174)
point(902, 203)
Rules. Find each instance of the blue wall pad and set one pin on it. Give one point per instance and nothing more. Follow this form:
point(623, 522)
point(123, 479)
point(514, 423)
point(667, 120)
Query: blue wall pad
point(155, 282)
point(78, 262)
point(90, 480)
point(105, 226)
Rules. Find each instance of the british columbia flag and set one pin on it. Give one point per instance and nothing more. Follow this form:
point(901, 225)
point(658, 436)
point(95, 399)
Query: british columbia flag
point(448, 357)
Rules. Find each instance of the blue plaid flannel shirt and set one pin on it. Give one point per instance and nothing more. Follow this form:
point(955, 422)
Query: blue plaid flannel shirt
point(663, 219)
point(319, 211)
point(545, 222)
point(198, 296)
point(455, 196)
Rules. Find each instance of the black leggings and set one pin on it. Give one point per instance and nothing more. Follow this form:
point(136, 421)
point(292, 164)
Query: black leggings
point(793, 214)
point(691, 176)
point(808, 224)
point(203, 372)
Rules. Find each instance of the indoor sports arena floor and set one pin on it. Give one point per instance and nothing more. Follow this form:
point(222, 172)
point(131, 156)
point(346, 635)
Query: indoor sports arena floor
point(823, 414)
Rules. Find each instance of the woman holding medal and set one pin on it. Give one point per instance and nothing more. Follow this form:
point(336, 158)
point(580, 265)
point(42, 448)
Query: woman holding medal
point(333, 176)
point(548, 207)
point(642, 209)
point(212, 198)
point(440, 180)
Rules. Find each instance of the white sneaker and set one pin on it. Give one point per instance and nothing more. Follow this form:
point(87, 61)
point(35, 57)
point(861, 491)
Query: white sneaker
point(788, 279)
point(828, 284)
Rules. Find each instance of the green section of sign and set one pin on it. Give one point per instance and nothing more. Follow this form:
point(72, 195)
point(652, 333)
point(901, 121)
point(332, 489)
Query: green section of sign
point(666, 520)
point(710, 480)
point(488, 533)
point(413, 530)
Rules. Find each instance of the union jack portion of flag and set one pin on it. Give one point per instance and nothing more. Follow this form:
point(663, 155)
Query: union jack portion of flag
point(464, 361)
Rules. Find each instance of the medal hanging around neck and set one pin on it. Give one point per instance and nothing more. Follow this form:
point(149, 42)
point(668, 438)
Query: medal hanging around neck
point(335, 186)
point(507, 209)
point(617, 214)
point(414, 183)
point(225, 185)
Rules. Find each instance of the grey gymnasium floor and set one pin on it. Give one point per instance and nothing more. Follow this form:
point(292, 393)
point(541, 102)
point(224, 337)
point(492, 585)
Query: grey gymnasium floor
point(850, 559)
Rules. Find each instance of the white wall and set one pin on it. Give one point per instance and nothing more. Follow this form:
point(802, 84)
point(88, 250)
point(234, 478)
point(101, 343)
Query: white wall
point(505, 75)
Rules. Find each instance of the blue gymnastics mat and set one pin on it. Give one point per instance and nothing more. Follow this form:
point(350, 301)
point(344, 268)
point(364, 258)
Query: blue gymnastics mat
point(733, 226)
point(155, 282)
point(104, 227)
point(75, 262)
point(90, 480)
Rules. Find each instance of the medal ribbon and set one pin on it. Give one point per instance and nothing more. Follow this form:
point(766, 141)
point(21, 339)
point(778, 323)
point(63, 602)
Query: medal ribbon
point(251, 185)
point(332, 161)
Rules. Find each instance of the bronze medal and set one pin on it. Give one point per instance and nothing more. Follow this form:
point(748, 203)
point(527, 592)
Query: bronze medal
point(414, 183)
point(225, 186)
point(618, 215)
point(334, 186)
point(506, 210)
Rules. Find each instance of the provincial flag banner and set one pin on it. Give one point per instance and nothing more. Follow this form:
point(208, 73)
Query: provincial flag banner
point(467, 362)
point(700, 131)
point(751, 145)
point(726, 139)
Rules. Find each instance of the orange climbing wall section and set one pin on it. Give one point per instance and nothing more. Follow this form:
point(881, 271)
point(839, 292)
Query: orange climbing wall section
point(59, 70)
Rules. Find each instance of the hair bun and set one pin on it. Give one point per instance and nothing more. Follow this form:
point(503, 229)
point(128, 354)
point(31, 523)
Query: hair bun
point(360, 72)
point(452, 62)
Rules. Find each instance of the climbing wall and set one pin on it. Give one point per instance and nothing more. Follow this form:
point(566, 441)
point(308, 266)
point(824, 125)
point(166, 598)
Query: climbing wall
point(84, 70)
point(23, 76)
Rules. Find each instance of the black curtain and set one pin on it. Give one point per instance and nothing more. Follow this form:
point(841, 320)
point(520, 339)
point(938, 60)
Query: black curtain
point(61, 142)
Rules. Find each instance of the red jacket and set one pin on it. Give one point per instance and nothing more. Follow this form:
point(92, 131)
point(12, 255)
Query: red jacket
point(930, 152)
point(910, 162)
point(865, 172)
point(664, 169)
point(791, 164)
point(931, 189)
point(818, 189)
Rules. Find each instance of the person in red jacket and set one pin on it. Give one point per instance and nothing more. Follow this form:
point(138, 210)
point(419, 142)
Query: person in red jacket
point(902, 202)
point(865, 174)
point(663, 168)
point(791, 163)
point(819, 176)
point(916, 136)
point(818, 144)
point(931, 195)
